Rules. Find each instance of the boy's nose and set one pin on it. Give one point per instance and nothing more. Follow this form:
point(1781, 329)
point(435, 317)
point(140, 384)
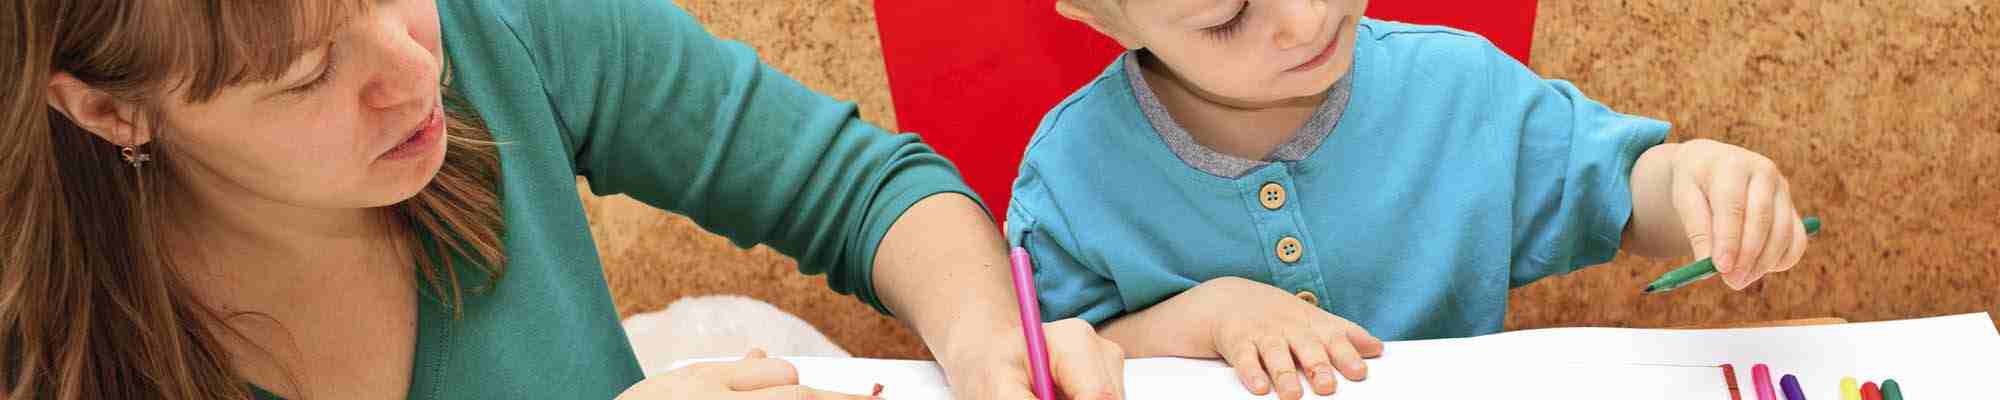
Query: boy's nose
point(1300, 22)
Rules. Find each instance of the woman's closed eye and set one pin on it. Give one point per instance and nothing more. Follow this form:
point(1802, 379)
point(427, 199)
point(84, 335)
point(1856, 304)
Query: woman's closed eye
point(320, 78)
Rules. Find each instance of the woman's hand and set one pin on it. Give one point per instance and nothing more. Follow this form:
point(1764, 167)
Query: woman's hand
point(1085, 366)
point(755, 377)
point(943, 269)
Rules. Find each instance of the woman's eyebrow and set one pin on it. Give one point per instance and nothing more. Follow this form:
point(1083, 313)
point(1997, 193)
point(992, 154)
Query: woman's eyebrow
point(280, 85)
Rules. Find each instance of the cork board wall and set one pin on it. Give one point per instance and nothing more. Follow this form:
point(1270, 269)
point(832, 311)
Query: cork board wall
point(1879, 111)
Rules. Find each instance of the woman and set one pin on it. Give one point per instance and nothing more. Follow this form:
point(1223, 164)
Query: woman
point(214, 199)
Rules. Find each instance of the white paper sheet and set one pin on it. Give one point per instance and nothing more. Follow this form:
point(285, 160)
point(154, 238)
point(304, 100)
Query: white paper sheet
point(1950, 357)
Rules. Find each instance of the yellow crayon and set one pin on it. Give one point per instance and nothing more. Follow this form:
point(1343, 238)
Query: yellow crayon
point(1848, 390)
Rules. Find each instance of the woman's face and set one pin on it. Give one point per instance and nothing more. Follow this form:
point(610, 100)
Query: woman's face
point(357, 123)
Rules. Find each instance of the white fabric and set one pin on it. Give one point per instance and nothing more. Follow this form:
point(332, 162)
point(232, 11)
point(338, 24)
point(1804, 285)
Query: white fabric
point(721, 326)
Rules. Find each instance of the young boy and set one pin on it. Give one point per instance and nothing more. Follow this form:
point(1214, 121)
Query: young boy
point(1269, 181)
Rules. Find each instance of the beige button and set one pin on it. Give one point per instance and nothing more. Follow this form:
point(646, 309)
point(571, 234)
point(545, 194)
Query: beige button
point(1272, 195)
point(1290, 249)
point(1309, 297)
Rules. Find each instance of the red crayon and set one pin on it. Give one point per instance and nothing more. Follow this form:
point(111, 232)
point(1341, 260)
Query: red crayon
point(1729, 378)
point(1870, 392)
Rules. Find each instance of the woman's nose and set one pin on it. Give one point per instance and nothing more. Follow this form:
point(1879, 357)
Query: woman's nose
point(404, 71)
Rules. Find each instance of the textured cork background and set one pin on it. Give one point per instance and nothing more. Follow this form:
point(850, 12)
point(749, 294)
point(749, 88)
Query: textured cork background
point(1879, 112)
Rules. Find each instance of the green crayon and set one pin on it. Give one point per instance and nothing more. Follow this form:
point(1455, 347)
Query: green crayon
point(1704, 268)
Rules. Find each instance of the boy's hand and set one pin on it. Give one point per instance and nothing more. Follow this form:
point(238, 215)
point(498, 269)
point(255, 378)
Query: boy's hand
point(1270, 335)
point(1737, 209)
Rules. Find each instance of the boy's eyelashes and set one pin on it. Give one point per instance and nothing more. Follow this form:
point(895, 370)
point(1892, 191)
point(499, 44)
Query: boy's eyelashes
point(1226, 29)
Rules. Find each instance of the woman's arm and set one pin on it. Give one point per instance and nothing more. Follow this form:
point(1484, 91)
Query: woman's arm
point(654, 107)
point(943, 269)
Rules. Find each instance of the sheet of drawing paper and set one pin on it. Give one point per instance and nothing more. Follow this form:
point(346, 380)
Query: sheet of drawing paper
point(1941, 357)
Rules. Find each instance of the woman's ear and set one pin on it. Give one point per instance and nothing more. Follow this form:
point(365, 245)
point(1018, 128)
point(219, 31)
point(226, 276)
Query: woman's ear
point(1105, 24)
point(114, 120)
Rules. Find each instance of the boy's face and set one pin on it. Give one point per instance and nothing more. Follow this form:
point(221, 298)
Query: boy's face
point(1245, 51)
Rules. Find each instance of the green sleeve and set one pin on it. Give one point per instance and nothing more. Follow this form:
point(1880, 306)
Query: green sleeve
point(654, 107)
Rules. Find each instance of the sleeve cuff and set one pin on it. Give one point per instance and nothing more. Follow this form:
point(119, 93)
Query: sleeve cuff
point(1606, 230)
point(908, 187)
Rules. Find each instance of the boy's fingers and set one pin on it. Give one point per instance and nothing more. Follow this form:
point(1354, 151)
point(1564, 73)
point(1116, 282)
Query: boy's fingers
point(1798, 237)
point(1323, 380)
point(1278, 365)
point(1780, 243)
point(1760, 213)
point(1313, 359)
point(1368, 345)
point(1692, 205)
point(1727, 188)
point(1242, 355)
point(1347, 359)
point(1799, 245)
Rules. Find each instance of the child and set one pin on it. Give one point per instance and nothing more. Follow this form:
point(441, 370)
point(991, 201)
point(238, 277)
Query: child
point(1269, 181)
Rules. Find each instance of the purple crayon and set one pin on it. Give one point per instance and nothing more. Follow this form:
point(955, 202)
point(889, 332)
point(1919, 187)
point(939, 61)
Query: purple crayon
point(1790, 385)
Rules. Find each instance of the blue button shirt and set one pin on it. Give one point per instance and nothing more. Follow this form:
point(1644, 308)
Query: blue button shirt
point(1454, 175)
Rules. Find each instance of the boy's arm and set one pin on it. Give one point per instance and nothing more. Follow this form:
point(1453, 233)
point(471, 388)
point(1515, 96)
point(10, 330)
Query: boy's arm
point(1655, 230)
point(1177, 327)
point(1572, 198)
point(1714, 199)
point(1207, 321)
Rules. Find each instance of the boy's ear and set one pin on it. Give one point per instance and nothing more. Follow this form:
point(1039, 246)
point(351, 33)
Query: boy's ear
point(1069, 9)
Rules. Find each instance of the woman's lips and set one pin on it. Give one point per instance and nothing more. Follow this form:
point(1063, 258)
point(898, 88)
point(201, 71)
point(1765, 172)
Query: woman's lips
point(421, 140)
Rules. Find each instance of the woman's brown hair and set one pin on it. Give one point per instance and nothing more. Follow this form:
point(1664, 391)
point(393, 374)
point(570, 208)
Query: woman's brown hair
point(90, 305)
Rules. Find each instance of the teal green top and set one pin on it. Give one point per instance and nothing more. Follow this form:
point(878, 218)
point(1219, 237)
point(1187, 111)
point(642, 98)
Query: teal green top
point(635, 96)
